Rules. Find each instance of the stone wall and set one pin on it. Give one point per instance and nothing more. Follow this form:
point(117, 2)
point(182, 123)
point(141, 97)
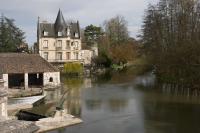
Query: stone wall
point(87, 56)
point(5, 79)
point(51, 78)
point(15, 126)
point(3, 101)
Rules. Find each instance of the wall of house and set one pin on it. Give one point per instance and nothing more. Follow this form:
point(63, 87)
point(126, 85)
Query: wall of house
point(52, 48)
point(3, 107)
point(55, 78)
point(95, 51)
point(3, 101)
point(5, 79)
point(87, 56)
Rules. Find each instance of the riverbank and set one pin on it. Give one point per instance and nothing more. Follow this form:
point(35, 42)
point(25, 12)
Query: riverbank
point(17, 93)
point(16, 126)
point(60, 120)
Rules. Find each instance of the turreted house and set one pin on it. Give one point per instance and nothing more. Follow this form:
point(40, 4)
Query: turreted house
point(60, 42)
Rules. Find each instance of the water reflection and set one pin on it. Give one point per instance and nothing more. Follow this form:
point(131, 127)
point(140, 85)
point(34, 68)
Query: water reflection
point(117, 105)
point(135, 104)
point(93, 104)
point(72, 99)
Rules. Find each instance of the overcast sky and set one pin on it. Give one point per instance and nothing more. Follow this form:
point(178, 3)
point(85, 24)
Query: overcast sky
point(26, 12)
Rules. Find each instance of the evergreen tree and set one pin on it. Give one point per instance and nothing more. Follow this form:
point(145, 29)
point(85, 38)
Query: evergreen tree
point(11, 37)
point(92, 34)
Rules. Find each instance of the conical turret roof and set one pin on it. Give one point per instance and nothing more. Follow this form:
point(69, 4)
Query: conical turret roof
point(60, 22)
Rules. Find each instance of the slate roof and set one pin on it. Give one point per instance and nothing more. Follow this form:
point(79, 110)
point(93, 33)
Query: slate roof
point(59, 26)
point(17, 63)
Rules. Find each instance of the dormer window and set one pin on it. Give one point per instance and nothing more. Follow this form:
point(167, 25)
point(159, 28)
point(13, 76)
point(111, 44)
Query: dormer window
point(76, 35)
point(59, 33)
point(45, 33)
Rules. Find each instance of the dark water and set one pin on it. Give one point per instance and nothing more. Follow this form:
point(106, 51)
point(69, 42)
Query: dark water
point(125, 103)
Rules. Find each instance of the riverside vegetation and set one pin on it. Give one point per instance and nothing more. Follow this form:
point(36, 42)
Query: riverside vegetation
point(171, 40)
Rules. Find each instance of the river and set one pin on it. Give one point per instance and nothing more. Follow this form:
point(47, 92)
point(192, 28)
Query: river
point(124, 103)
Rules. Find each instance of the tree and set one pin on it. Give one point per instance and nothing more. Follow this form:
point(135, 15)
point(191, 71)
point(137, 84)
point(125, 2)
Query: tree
point(92, 34)
point(116, 30)
point(11, 37)
point(171, 37)
point(120, 55)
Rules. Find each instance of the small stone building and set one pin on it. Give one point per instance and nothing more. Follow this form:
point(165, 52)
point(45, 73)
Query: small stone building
point(21, 70)
point(3, 100)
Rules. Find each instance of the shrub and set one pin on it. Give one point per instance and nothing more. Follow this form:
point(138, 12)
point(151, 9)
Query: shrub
point(73, 68)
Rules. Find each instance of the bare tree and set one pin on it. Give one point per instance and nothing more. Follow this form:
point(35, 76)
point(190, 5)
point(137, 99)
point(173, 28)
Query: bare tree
point(171, 37)
point(116, 30)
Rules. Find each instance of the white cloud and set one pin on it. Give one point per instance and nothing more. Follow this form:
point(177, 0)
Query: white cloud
point(25, 12)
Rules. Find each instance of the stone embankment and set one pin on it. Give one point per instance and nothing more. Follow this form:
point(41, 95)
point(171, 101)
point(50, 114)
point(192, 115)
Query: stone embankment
point(16, 93)
point(16, 126)
point(60, 120)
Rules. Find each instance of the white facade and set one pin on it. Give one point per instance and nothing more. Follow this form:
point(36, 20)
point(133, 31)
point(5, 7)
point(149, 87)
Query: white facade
point(5, 79)
point(60, 49)
point(51, 78)
point(87, 56)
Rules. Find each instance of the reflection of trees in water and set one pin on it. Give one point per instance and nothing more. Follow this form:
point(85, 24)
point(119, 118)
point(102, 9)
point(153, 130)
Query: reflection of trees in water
point(117, 104)
point(167, 86)
point(167, 117)
point(73, 83)
point(73, 98)
point(93, 104)
point(184, 79)
point(125, 75)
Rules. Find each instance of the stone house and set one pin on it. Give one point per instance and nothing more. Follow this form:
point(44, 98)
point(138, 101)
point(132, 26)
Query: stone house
point(20, 70)
point(59, 42)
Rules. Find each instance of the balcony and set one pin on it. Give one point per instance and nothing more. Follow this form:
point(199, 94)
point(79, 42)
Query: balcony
point(45, 48)
point(58, 48)
point(65, 60)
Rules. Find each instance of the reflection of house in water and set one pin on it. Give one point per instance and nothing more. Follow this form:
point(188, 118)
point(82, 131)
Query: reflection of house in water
point(27, 70)
point(72, 99)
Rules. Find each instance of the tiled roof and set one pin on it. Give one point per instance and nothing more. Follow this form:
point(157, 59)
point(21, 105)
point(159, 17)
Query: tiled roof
point(13, 63)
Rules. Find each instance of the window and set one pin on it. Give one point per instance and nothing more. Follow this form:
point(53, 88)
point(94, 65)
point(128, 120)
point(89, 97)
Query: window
point(45, 55)
point(76, 35)
point(45, 33)
point(68, 55)
point(50, 79)
point(59, 55)
point(76, 55)
point(59, 33)
point(67, 44)
point(59, 44)
point(45, 44)
point(72, 44)
point(76, 45)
